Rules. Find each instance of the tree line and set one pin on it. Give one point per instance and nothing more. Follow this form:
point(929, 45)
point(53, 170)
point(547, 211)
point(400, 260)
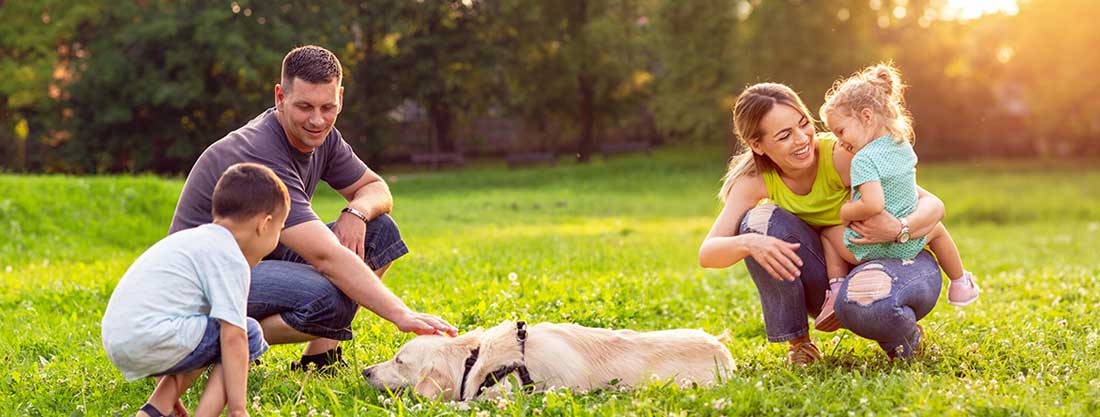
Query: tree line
point(92, 86)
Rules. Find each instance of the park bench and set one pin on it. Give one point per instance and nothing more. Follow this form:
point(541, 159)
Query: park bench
point(435, 160)
point(519, 159)
point(609, 149)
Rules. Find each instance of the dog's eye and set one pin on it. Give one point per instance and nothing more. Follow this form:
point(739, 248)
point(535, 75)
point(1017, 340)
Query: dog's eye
point(398, 361)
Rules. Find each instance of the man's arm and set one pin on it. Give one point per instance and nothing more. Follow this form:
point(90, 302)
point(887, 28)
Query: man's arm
point(319, 247)
point(234, 345)
point(370, 196)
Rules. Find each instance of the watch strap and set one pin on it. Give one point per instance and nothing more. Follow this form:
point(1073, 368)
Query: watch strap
point(904, 232)
point(356, 213)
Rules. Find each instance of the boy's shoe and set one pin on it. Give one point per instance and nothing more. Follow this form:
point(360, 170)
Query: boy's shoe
point(963, 291)
point(803, 354)
point(827, 321)
point(325, 362)
point(151, 411)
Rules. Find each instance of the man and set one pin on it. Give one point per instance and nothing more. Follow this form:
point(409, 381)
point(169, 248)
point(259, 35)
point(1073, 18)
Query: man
point(312, 284)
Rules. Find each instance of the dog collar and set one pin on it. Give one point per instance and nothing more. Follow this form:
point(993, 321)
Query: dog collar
point(494, 377)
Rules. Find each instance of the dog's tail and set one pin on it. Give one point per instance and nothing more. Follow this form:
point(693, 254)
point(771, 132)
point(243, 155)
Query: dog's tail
point(725, 336)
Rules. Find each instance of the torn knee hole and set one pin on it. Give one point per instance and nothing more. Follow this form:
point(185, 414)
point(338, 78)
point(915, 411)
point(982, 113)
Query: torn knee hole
point(869, 285)
point(759, 218)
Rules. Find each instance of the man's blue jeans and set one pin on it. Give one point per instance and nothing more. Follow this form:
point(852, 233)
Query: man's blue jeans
point(285, 284)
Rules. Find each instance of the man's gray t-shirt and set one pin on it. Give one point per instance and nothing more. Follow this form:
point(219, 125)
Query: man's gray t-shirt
point(264, 141)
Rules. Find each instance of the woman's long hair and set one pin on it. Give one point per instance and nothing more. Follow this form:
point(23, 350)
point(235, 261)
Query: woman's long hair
point(753, 103)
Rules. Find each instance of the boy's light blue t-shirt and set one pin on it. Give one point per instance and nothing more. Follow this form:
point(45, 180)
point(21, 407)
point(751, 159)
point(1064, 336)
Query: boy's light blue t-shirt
point(158, 312)
point(894, 164)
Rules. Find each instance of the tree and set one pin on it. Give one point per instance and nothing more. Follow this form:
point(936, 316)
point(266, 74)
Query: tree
point(161, 80)
point(1049, 59)
point(36, 45)
point(443, 62)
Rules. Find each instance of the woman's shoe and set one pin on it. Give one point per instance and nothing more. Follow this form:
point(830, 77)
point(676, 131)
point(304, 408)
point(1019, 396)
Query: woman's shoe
point(803, 354)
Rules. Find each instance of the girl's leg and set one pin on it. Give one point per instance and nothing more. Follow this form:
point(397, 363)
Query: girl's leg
point(213, 399)
point(946, 252)
point(883, 299)
point(838, 260)
point(786, 304)
point(964, 288)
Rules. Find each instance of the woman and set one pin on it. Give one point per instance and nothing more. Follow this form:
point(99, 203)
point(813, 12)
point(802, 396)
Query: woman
point(804, 178)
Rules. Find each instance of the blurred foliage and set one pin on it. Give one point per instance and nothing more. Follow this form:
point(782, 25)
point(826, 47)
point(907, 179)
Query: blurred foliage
point(96, 86)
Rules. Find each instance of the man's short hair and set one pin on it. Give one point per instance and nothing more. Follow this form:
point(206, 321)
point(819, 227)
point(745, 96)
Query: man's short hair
point(247, 189)
point(311, 63)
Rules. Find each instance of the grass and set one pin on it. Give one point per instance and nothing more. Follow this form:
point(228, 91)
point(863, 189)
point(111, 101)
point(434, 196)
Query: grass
point(610, 244)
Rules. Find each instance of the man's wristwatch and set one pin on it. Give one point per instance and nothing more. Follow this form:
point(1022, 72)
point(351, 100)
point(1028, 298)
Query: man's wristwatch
point(903, 236)
point(363, 217)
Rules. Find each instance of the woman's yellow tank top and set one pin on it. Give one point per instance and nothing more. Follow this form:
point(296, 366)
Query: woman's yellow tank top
point(821, 206)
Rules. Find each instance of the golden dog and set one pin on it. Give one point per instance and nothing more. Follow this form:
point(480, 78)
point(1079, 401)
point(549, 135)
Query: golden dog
point(550, 355)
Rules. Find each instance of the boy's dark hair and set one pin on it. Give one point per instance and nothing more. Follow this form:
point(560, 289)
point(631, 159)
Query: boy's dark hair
point(247, 189)
point(311, 63)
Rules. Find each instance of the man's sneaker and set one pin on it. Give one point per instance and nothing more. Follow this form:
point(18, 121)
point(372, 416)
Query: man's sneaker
point(325, 362)
point(963, 291)
point(803, 354)
point(827, 321)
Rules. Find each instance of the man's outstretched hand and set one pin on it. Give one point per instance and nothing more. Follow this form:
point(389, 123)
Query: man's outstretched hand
point(424, 324)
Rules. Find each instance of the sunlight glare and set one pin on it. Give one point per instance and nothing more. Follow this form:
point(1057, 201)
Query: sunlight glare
point(973, 9)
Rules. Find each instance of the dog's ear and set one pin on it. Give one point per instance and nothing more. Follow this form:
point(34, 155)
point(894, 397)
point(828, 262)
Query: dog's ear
point(432, 383)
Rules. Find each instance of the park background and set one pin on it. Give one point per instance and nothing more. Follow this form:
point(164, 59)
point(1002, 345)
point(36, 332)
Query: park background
point(104, 106)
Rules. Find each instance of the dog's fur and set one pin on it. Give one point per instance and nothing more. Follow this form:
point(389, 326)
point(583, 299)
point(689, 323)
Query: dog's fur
point(557, 355)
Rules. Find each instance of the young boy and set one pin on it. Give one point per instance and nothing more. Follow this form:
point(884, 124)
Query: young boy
point(181, 306)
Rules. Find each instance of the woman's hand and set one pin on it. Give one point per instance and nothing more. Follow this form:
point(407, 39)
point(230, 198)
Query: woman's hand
point(880, 228)
point(775, 255)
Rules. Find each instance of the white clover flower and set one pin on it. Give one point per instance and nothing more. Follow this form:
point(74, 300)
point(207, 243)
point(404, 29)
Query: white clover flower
point(718, 404)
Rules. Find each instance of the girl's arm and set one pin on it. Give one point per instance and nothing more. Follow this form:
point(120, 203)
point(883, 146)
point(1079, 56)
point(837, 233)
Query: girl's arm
point(885, 227)
point(724, 247)
point(872, 201)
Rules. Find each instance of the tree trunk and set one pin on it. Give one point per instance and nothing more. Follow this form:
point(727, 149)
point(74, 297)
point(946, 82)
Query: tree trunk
point(585, 81)
point(441, 125)
point(585, 118)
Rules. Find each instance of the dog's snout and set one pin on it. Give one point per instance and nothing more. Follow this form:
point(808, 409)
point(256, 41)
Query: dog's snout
point(367, 372)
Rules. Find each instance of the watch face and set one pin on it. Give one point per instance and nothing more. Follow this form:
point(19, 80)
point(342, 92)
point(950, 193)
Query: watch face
point(904, 237)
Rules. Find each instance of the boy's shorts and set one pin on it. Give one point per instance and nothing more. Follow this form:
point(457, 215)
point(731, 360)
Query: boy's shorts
point(209, 350)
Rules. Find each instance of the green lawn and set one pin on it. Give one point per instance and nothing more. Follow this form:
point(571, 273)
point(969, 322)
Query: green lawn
point(610, 244)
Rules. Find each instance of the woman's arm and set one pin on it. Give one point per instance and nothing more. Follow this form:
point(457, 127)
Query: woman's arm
point(723, 246)
point(885, 228)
